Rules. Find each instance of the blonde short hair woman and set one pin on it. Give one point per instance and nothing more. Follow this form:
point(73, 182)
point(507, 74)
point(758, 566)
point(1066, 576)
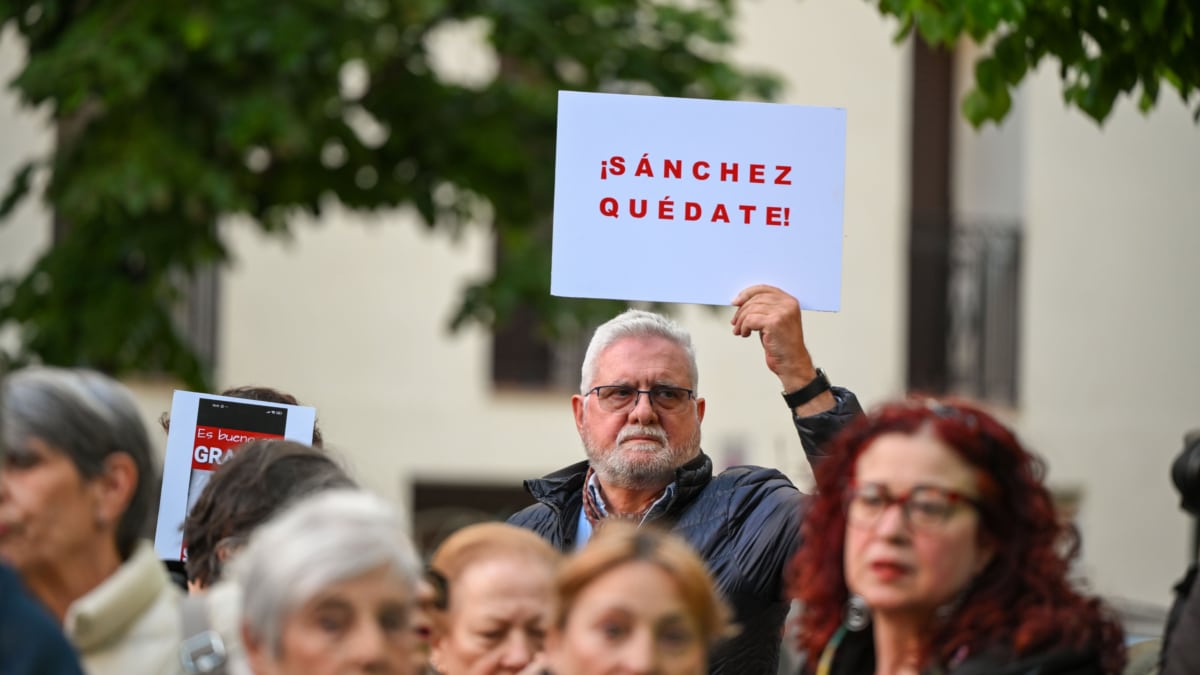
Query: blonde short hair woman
point(497, 591)
point(637, 599)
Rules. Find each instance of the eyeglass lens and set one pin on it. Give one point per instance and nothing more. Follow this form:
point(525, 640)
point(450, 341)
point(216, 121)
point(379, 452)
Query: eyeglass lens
point(618, 398)
point(923, 507)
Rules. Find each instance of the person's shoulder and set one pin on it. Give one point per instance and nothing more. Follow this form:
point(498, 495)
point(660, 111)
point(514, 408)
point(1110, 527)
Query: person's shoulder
point(554, 485)
point(30, 641)
point(749, 476)
point(1053, 662)
point(131, 623)
point(547, 523)
point(530, 515)
point(755, 493)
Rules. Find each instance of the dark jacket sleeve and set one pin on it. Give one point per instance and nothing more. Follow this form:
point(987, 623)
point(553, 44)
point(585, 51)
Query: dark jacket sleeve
point(554, 527)
point(539, 518)
point(816, 430)
point(1181, 653)
point(771, 535)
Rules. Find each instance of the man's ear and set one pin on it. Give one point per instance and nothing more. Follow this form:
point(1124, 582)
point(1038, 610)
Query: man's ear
point(577, 402)
point(113, 488)
point(699, 410)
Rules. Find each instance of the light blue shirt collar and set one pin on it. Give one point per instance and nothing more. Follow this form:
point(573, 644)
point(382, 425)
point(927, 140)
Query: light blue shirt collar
point(583, 531)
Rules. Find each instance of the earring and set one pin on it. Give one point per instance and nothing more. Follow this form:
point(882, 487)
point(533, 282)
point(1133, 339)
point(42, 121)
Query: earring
point(858, 614)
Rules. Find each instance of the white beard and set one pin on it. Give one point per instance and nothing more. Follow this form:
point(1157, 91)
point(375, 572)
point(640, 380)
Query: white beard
point(640, 466)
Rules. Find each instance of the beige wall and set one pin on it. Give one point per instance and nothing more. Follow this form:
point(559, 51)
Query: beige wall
point(1109, 322)
point(1112, 323)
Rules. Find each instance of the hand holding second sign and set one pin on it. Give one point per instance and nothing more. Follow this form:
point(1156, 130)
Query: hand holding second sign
point(775, 316)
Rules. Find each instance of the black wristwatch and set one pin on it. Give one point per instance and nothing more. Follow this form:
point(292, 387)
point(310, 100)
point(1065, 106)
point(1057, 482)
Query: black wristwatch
point(808, 392)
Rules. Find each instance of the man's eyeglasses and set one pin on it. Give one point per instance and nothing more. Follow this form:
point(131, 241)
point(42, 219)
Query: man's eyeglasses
point(925, 507)
point(616, 398)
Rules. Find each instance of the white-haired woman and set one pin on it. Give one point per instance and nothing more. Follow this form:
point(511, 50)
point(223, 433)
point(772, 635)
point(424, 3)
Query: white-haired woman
point(75, 496)
point(329, 586)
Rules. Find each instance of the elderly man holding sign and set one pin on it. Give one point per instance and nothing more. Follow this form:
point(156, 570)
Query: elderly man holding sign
point(738, 193)
point(638, 414)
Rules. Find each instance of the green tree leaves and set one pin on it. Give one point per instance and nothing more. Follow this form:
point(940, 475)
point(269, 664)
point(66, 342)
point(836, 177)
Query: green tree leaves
point(172, 116)
point(1104, 48)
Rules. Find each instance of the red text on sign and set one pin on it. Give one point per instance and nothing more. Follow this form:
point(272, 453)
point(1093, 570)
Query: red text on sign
point(215, 445)
point(701, 170)
point(666, 209)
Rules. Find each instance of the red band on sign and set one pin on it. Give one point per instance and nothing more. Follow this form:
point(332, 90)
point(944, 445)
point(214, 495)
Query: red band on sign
point(215, 445)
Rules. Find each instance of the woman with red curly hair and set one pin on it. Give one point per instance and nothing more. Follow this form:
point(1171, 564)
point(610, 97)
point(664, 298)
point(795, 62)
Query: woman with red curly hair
point(933, 547)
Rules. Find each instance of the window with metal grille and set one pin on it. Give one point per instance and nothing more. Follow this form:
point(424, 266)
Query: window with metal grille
point(524, 358)
point(984, 304)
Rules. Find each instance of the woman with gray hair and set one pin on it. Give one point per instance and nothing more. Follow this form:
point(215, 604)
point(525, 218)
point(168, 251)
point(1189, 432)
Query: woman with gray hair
point(75, 497)
point(329, 586)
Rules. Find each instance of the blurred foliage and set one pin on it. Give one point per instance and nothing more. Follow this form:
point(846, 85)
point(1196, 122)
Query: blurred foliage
point(1105, 48)
point(172, 117)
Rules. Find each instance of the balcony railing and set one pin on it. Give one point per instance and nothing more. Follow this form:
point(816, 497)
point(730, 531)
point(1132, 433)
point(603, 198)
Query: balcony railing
point(984, 321)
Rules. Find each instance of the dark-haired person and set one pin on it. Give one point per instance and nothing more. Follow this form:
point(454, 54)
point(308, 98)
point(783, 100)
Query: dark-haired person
point(933, 547)
point(179, 574)
point(75, 499)
point(259, 480)
point(252, 393)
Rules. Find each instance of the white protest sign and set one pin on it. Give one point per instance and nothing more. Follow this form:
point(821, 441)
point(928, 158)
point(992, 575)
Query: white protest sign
point(686, 200)
point(205, 431)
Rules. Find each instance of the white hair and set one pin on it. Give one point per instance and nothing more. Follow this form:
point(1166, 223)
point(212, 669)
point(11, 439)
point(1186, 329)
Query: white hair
point(328, 538)
point(636, 323)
